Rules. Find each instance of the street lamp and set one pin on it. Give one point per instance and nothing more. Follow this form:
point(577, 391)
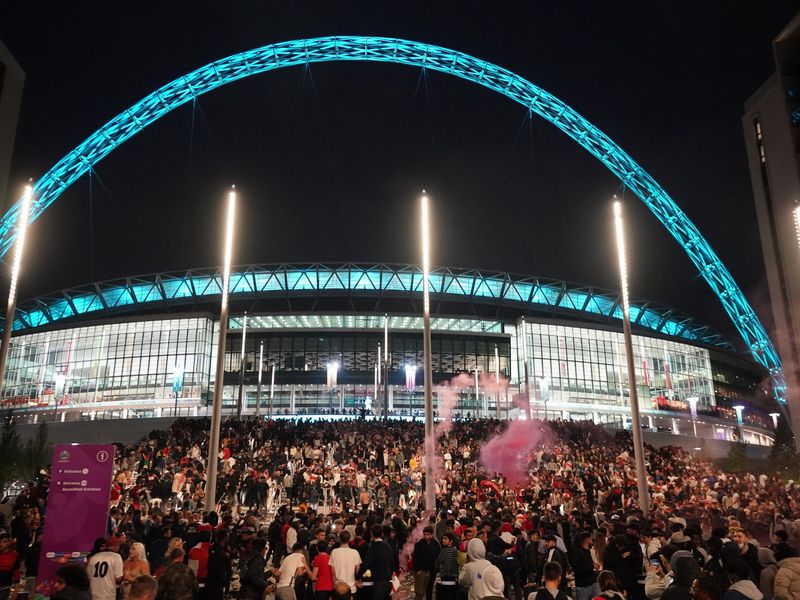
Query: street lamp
point(497, 380)
point(386, 367)
point(23, 218)
point(430, 442)
point(333, 373)
point(411, 381)
point(638, 444)
point(240, 400)
point(271, 389)
point(216, 415)
point(260, 369)
point(177, 386)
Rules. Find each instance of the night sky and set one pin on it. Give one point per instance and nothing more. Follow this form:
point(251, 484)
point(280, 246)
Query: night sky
point(330, 159)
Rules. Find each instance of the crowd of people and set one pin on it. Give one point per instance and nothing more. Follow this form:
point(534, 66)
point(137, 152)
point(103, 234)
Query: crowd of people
point(335, 509)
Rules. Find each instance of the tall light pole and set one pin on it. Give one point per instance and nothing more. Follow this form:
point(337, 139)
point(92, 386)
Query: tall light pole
point(497, 380)
point(240, 401)
point(216, 415)
point(638, 444)
point(430, 484)
point(271, 389)
point(385, 367)
point(379, 367)
point(22, 230)
point(260, 369)
point(524, 344)
point(477, 396)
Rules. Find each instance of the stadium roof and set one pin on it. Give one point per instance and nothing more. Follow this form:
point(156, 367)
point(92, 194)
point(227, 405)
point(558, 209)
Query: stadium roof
point(536, 295)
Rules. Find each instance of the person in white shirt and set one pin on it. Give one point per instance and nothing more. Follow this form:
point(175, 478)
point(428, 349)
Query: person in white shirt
point(105, 574)
point(344, 561)
point(291, 566)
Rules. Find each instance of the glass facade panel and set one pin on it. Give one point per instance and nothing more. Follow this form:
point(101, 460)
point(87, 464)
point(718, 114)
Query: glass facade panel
point(112, 362)
point(578, 365)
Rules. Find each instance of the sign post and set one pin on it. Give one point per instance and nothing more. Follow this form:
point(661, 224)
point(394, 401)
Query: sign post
point(77, 505)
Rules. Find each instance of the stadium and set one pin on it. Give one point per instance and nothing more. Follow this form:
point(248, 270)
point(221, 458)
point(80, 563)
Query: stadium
point(145, 346)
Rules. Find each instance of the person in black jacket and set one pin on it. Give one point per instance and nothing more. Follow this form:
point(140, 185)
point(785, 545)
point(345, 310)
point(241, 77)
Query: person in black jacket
point(252, 572)
point(423, 560)
point(219, 567)
point(377, 565)
point(553, 554)
point(618, 560)
point(584, 567)
point(534, 556)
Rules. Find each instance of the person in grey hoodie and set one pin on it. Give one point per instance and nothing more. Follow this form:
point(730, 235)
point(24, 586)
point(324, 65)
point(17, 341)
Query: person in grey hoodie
point(741, 586)
point(474, 572)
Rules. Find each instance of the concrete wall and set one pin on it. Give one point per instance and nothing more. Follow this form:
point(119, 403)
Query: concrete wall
point(128, 431)
point(125, 431)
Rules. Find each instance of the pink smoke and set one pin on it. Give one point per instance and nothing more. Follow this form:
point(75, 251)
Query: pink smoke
point(448, 394)
point(509, 453)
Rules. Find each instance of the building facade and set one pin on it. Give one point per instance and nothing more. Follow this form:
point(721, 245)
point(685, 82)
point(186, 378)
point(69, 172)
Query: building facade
point(12, 80)
point(771, 125)
point(315, 336)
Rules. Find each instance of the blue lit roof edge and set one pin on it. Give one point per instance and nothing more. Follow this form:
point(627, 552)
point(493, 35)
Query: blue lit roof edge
point(118, 296)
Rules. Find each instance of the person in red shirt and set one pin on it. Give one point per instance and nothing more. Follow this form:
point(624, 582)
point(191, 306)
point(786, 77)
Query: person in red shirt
point(321, 572)
point(9, 565)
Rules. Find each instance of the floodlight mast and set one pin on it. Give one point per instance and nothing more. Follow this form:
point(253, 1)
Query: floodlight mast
point(216, 415)
point(430, 483)
point(22, 231)
point(638, 444)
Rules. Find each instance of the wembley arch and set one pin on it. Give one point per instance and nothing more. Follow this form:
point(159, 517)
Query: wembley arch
point(178, 92)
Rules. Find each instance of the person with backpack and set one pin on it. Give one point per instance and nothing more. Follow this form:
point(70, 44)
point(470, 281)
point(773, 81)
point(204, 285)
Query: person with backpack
point(251, 572)
point(553, 588)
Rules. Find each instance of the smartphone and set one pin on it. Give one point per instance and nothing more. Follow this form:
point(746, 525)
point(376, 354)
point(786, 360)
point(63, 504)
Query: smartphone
point(655, 562)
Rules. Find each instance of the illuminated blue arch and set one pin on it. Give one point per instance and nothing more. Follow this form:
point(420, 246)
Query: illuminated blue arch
point(375, 49)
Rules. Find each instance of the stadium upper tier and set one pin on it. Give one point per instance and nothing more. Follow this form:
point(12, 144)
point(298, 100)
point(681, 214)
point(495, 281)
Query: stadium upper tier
point(202, 287)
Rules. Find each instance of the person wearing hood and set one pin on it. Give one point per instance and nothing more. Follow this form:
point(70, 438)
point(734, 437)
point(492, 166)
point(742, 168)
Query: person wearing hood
point(787, 579)
point(741, 586)
point(685, 571)
point(473, 576)
point(71, 583)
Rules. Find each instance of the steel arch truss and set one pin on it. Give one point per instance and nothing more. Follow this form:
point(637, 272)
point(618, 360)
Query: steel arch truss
point(376, 49)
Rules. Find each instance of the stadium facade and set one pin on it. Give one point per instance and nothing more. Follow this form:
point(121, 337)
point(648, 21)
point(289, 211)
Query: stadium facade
point(139, 346)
